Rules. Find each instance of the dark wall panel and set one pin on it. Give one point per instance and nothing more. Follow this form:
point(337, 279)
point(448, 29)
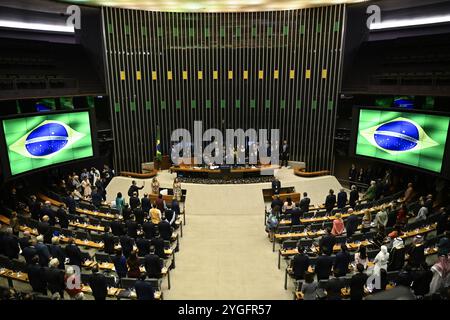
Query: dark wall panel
point(278, 69)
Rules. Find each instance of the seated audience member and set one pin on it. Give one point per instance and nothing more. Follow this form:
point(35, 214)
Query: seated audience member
point(165, 229)
point(330, 201)
point(42, 251)
point(71, 283)
point(309, 287)
point(98, 284)
point(74, 253)
point(397, 255)
point(342, 261)
point(324, 263)
point(144, 289)
point(327, 242)
point(57, 252)
point(421, 281)
point(334, 287)
point(352, 223)
point(133, 264)
point(120, 264)
point(381, 218)
point(55, 278)
point(338, 225)
point(358, 282)
point(341, 199)
point(155, 214)
point(108, 241)
point(36, 276)
point(304, 203)
point(354, 197)
point(300, 263)
point(361, 256)
point(153, 264)
point(371, 192)
point(416, 252)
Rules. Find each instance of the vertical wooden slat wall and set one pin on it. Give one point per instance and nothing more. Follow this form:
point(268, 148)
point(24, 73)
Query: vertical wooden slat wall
point(273, 70)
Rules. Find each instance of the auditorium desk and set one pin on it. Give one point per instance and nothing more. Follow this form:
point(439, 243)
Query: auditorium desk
point(234, 173)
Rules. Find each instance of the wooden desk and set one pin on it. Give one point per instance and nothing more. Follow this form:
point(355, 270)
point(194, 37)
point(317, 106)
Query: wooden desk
point(235, 173)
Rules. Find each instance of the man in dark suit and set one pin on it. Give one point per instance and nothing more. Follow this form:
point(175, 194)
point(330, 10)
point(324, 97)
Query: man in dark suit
point(98, 284)
point(352, 223)
point(57, 252)
point(296, 214)
point(324, 263)
point(158, 243)
point(300, 264)
point(357, 283)
point(35, 207)
point(284, 153)
point(277, 203)
point(165, 230)
point(144, 290)
point(330, 201)
point(354, 197)
point(42, 251)
point(36, 276)
point(48, 211)
point(24, 241)
point(70, 203)
point(334, 287)
point(44, 229)
point(139, 215)
point(132, 227)
point(55, 278)
point(134, 188)
point(143, 246)
point(117, 228)
point(341, 199)
point(149, 229)
point(74, 253)
point(126, 212)
point(153, 264)
point(134, 201)
point(342, 261)
point(62, 216)
point(30, 251)
point(126, 243)
point(10, 244)
point(96, 198)
point(108, 241)
point(304, 203)
point(442, 223)
point(145, 203)
point(175, 207)
point(327, 242)
point(276, 186)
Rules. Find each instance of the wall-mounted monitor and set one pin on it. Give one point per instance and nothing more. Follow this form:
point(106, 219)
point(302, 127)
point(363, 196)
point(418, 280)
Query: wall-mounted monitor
point(40, 140)
point(407, 138)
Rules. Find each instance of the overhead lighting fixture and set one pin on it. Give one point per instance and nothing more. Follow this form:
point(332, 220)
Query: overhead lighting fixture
point(409, 22)
point(36, 26)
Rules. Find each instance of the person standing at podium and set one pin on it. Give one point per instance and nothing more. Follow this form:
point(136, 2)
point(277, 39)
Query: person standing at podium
point(177, 189)
point(276, 186)
point(155, 186)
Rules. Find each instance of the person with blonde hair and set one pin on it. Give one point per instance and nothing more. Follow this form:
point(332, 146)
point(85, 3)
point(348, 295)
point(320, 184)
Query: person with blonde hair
point(338, 225)
point(71, 285)
point(155, 186)
point(366, 221)
point(55, 278)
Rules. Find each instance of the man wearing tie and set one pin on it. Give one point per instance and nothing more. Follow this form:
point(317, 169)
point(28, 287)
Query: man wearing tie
point(284, 154)
point(276, 186)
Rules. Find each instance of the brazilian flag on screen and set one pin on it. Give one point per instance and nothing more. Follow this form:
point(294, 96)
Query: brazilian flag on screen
point(39, 141)
point(158, 144)
point(407, 138)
